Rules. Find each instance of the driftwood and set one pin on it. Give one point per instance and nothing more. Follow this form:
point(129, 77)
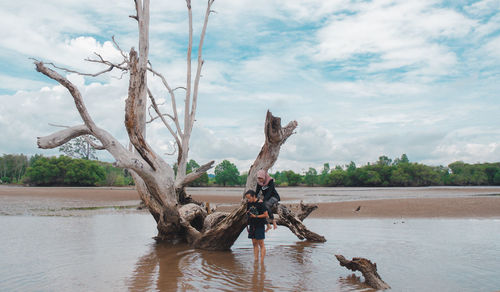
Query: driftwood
point(294, 223)
point(367, 268)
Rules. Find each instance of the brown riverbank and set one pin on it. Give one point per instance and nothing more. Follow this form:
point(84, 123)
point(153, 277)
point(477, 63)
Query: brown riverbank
point(473, 206)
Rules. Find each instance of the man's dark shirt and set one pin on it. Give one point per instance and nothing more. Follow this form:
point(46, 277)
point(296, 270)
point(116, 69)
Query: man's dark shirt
point(256, 208)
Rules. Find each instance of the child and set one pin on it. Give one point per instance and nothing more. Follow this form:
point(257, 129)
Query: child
point(257, 214)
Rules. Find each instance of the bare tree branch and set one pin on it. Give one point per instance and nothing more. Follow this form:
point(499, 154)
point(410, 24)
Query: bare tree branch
point(179, 87)
point(152, 119)
point(172, 97)
point(111, 65)
point(124, 55)
point(80, 106)
point(175, 149)
point(61, 137)
point(194, 175)
point(289, 219)
point(60, 126)
point(123, 157)
point(81, 73)
point(161, 116)
point(200, 64)
point(188, 74)
point(96, 146)
point(190, 110)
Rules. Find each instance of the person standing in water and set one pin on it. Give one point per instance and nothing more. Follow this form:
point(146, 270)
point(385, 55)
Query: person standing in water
point(257, 214)
point(265, 189)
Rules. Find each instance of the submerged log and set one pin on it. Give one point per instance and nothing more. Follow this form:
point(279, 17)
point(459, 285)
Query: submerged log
point(367, 268)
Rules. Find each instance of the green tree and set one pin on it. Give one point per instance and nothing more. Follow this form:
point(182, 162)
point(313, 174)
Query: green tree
point(293, 178)
point(496, 178)
point(191, 166)
point(44, 171)
point(80, 147)
point(491, 169)
point(400, 178)
point(403, 159)
point(243, 178)
point(82, 172)
point(280, 178)
point(370, 178)
point(323, 178)
point(13, 167)
point(311, 177)
point(350, 179)
point(64, 170)
point(226, 173)
point(336, 177)
point(115, 176)
point(384, 160)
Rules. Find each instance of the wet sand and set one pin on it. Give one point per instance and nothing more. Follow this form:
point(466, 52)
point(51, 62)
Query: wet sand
point(374, 203)
point(474, 207)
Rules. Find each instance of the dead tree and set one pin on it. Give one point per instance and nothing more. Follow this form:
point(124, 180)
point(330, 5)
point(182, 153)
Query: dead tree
point(163, 193)
point(367, 268)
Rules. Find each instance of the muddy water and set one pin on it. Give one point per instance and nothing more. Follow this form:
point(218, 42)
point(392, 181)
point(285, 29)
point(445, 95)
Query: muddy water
point(115, 252)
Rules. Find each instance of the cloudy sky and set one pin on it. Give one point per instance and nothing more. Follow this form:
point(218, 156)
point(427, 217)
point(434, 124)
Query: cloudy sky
point(362, 78)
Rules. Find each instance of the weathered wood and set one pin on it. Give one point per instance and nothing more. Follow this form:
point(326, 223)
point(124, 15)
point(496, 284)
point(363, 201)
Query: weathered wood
point(287, 218)
point(59, 138)
point(224, 234)
point(213, 219)
point(275, 137)
point(191, 101)
point(305, 210)
point(367, 268)
point(194, 175)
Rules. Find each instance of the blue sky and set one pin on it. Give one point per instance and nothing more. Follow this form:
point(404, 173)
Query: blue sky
point(362, 78)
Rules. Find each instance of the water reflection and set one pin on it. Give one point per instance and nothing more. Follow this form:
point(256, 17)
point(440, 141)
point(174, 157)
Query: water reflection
point(169, 267)
point(354, 283)
point(287, 267)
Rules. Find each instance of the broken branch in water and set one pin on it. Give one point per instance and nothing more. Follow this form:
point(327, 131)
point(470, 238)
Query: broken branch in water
point(367, 268)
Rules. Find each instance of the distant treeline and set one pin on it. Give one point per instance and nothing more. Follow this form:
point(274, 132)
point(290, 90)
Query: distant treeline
point(400, 172)
point(63, 170)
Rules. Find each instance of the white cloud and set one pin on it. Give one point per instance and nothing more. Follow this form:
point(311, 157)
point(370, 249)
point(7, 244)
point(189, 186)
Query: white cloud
point(395, 35)
point(492, 48)
point(15, 83)
point(359, 76)
point(483, 7)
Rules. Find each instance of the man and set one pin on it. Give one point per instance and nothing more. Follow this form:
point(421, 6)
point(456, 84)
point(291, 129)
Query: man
point(257, 214)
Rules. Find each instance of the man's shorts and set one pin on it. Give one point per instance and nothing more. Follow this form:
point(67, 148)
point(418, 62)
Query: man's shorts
point(256, 232)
